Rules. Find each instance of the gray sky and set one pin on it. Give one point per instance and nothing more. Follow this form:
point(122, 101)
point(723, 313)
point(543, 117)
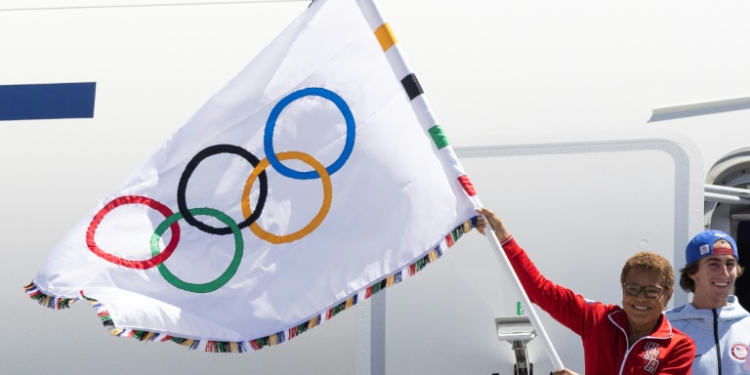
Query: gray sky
point(491, 71)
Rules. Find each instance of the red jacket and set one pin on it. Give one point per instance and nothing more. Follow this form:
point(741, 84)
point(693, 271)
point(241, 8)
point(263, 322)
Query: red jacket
point(603, 328)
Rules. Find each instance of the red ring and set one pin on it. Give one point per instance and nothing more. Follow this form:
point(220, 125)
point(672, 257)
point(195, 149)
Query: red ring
point(138, 264)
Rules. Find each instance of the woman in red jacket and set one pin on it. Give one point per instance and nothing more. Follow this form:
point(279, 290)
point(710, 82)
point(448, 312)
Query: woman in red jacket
point(633, 339)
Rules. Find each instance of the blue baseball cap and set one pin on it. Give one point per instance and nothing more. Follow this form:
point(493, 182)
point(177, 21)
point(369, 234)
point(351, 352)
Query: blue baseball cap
point(702, 245)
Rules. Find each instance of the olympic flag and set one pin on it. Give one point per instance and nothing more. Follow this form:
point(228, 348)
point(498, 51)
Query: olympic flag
point(313, 179)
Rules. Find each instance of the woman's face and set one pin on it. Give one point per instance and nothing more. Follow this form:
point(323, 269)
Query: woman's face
point(644, 311)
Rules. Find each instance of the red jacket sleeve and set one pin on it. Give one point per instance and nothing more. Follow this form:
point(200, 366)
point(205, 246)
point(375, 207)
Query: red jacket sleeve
point(568, 308)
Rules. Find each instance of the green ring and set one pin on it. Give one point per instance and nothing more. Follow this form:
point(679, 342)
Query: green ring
point(211, 285)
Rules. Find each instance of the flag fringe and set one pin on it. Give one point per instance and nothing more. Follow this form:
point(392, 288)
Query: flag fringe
point(52, 302)
point(211, 346)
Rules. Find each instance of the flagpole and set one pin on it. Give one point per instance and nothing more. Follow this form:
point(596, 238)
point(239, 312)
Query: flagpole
point(533, 317)
point(428, 121)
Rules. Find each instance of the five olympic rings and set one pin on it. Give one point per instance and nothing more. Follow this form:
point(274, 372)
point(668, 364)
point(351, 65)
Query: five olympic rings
point(250, 215)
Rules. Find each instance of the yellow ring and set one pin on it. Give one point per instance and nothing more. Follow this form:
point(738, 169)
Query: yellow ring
point(327, 197)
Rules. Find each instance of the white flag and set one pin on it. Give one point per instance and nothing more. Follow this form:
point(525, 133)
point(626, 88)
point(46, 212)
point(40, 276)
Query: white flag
point(309, 182)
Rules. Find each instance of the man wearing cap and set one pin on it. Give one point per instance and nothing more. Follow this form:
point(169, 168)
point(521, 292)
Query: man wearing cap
point(714, 319)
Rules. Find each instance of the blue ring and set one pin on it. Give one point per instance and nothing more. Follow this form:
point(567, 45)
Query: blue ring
point(271, 124)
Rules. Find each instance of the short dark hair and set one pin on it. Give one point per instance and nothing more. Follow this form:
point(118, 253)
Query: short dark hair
point(688, 284)
point(652, 262)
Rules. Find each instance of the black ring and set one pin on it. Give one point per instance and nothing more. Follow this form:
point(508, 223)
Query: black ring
point(190, 168)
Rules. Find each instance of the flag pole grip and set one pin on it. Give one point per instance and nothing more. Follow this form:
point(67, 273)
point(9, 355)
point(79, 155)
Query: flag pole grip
point(533, 317)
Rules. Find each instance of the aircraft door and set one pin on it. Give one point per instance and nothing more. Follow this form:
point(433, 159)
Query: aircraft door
point(742, 285)
point(727, 208)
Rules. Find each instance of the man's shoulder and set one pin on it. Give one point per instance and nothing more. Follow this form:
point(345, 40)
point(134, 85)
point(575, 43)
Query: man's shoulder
point(685, 311)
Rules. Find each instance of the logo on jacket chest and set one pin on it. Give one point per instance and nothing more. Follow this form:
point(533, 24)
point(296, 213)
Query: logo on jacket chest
point(739, 352)
point(651, 356)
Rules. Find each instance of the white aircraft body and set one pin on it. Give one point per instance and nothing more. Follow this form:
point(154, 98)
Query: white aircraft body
point(595, 129)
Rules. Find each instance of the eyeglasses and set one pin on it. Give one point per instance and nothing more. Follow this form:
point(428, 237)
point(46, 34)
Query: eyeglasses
point(651, 291)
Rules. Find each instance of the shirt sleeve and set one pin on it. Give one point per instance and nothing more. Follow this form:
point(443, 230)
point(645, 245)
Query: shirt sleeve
point(568, 308)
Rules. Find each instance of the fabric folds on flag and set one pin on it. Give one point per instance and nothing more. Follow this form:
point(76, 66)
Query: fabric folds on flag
point(308, 183)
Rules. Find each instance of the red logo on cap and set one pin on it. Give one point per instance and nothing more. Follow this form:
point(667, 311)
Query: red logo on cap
point(723, 251)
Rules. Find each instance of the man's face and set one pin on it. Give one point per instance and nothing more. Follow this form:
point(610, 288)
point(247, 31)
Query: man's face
point(714, 281)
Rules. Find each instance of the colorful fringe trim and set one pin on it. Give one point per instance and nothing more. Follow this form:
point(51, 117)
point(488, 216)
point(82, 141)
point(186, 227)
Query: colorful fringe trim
point(103, 314)
point(242, 346)
point(302, 328)
point(272, 340)
point(57, 303)
point(225, 347)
